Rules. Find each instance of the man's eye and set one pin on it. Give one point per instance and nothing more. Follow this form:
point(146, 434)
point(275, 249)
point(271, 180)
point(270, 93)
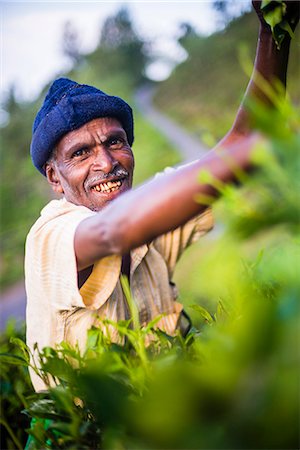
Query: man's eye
point(116, 142)
point(80, 152)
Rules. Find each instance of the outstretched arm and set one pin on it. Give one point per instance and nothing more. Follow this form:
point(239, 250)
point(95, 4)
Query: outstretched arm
point(161, 205)
point(167, 202)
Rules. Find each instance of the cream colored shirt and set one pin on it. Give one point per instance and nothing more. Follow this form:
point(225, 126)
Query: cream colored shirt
point(58, 311)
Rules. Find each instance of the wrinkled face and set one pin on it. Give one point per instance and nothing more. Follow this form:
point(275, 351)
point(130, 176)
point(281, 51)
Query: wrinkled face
point(93, 164)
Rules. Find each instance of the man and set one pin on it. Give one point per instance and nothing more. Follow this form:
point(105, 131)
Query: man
point(80, 245)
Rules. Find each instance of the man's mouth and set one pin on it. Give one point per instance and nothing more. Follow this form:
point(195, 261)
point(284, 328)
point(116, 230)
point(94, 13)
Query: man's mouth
point(108, 186)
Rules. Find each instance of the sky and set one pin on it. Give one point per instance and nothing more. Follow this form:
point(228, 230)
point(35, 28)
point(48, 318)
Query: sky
point(31, 35)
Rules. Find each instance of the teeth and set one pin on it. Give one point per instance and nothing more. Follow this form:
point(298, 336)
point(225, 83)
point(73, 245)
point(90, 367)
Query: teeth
point(110, 186)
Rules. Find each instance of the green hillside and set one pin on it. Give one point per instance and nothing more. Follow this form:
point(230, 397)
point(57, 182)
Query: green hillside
point(203, 92)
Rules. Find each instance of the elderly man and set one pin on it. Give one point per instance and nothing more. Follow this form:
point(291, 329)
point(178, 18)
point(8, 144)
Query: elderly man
point(100, 229)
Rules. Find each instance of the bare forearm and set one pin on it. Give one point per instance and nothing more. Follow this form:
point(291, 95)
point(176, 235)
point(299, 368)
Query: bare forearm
point(169, 202)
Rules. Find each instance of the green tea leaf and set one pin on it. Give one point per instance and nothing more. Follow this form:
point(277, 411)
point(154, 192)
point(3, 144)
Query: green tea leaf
point(286, 26)
point(274, 17)
point(45, 408)
point(13, 359)
point(204, 313)
point(22, 346)
point(265, 3)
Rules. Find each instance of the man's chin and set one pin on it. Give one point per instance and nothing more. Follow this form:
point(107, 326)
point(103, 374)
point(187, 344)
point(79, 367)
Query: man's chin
point(101, 199)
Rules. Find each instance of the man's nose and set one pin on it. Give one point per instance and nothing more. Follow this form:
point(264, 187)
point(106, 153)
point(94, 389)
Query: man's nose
point(104, 160)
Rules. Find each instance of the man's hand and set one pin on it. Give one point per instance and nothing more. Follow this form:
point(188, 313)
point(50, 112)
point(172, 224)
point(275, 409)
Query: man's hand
point(274, 13)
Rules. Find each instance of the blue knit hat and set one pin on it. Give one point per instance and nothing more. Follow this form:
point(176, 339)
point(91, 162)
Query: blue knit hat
point(67, 106)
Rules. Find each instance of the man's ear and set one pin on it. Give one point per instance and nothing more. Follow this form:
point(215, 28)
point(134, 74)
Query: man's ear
point(52, 178)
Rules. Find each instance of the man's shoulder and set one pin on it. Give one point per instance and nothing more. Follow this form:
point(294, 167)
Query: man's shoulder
point(62, 206)
point(59, 210)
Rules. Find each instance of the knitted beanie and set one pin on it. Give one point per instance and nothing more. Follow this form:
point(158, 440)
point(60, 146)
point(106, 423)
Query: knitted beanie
point(67, 106)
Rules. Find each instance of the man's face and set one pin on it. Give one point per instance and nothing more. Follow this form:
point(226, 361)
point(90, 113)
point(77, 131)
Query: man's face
point(93, 164)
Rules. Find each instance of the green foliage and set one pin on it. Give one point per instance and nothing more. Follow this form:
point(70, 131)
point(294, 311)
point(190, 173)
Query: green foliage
point(15, 388)
point(232, 383)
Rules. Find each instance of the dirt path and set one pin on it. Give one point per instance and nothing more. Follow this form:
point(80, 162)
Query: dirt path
point(13, 301)
point(188, 146)
point(13, 304)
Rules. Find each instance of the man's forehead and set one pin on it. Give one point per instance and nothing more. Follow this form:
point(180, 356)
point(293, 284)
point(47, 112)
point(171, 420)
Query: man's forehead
point(99, 128)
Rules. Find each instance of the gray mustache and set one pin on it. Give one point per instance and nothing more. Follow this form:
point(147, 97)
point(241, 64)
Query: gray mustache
point(120, 173)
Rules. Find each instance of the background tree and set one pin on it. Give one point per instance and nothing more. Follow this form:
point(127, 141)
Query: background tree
point(187, 34)
point(71, 43)
point(123, 48)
